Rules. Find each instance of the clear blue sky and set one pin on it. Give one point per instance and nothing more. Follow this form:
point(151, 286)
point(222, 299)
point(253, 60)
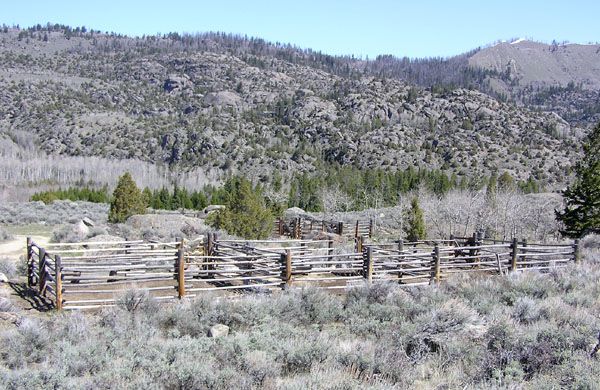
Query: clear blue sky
point(402, 28)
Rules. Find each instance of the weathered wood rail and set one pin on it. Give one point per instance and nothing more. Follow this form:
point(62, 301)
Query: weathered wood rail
point(301, 228)
point(91, 275)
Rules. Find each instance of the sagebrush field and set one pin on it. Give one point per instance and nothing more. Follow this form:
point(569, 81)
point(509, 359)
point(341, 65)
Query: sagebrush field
point(525, 330)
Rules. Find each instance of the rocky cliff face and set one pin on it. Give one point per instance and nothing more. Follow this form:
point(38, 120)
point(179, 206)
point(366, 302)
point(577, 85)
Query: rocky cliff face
point(233, 110)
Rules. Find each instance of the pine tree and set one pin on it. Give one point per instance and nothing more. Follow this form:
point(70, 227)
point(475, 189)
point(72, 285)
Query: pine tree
point(147, 195)
point(414, 222)
point(127, 200)
point(245, 214)
point(582, 198)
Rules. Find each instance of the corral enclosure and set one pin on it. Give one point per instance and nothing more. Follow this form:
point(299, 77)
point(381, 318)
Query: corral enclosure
point(90, 275)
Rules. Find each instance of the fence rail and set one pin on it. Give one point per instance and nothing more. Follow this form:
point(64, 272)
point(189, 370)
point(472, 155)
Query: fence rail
point(92, 274)
point(299, 228)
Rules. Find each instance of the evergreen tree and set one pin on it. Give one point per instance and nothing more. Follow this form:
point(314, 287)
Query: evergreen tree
point(582, 210)
point(127, 200)
point(414, 222)
point(147, 195)
point(164, 199)
point(245, 214)
point(199, 200)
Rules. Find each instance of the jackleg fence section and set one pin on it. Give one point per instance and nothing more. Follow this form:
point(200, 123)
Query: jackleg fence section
point(91, 274)
point(44, 273)
point(544, 257)
point(302, 228)
point(94, 274)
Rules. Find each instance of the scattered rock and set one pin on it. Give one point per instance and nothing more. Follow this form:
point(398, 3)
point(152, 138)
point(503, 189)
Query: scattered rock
point(218, 330)
point(3, 278)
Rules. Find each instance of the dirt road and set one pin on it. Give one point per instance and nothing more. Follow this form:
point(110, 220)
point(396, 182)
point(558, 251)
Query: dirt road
point(16, 247)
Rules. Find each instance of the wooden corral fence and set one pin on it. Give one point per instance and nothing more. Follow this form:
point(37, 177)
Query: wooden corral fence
point(91, 275)
point(426, 261)
point(300, 228)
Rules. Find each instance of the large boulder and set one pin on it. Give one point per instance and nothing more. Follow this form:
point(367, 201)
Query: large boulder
point(295, 212)
point(222, 99)
point(326, 236)
point(81, 230)
point(176, 83)
point(210, 209)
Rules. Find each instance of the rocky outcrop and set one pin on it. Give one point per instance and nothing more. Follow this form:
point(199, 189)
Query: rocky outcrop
point(175, 84)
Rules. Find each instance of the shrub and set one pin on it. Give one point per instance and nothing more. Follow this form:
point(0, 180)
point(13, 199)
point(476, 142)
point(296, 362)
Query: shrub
point(127, 200)
point(527, 311)
point(8, 267)
point(4, 235)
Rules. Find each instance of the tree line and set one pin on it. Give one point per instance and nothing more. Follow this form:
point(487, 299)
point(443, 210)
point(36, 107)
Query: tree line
point(354, 189)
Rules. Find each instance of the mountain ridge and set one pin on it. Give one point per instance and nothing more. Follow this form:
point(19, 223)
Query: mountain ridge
point(234, 105)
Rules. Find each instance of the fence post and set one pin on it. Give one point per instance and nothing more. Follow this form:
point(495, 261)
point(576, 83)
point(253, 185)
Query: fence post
point(400, 245)
point(209, 244)
point(368, 264)
point(286, 269)
point(523, 259)
point(29, 263)
point(359, 244)
point(330, 247)
point(513, 254)
point(436, 262)
point(371, 228)
point(576, 251)
point(42, 271)
point(340, 228)
point(298, 228)
point(356, 230)
point(58, 278)
point(180, 271)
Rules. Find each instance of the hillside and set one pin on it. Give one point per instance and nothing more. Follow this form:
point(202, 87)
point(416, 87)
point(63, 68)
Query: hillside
point(561, 78)
point(217, 104)
point(528, 63)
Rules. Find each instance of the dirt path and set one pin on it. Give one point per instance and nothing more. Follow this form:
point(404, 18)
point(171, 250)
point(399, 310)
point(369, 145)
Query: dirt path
point(15, 290)
point(16, 247)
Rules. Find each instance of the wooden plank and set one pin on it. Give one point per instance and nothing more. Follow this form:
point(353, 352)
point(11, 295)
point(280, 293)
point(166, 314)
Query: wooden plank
point(59, 244)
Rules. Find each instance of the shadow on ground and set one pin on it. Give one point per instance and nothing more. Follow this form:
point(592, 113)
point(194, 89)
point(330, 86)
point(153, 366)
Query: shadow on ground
point(30, 298)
